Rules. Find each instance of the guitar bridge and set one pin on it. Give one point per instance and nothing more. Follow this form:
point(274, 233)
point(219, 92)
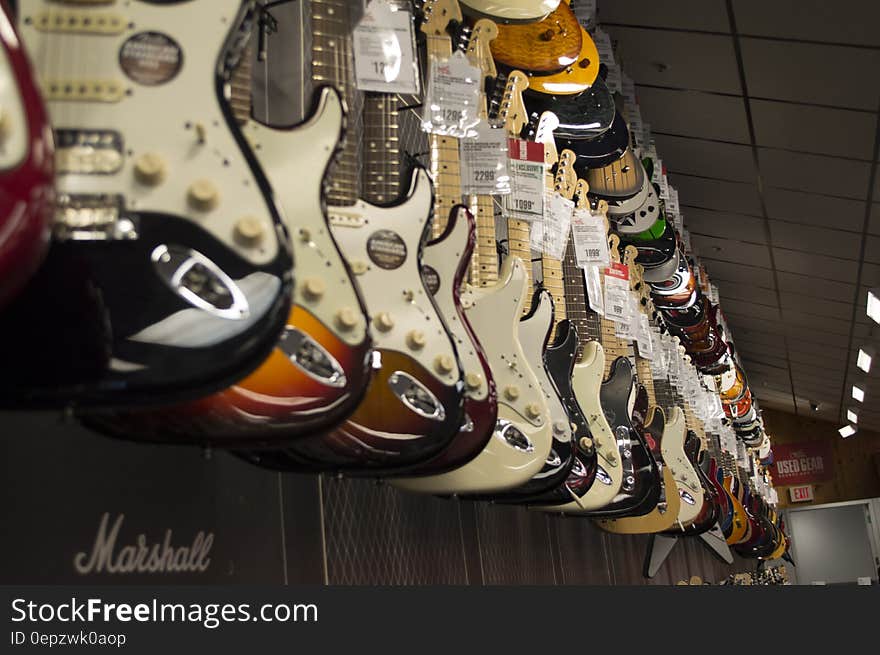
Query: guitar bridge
point(92, 217)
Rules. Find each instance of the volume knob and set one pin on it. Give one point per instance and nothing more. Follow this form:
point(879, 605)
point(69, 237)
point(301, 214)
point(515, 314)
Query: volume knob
point(314, 288)
point(149, 169)
point(383, 321)
point(203, 195)
point(249, 231)
point(444, 364)
point(416, 339)
point(346, 319)
point(511, 392)
point(473, 381)
point(533, 410)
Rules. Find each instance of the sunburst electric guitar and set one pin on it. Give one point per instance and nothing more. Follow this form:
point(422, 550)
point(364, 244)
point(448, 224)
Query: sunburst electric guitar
point(169, 275)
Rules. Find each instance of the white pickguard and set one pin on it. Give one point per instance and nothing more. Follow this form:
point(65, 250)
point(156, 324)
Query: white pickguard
point(398, 292)
point(686, 480)
point(513, 11)
point(587, 383)
point(295, 161)
point(494, 314)
point(533, 333)
point(179, 122)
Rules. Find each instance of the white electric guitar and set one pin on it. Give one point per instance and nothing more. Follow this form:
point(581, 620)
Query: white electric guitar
point(690, 491)
point(512, 11)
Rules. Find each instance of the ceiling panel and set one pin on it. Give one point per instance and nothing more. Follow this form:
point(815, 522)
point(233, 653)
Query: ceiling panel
point(723, 224)
point(730, 250)
point(736, 291)
point(838, 132)
point(814, 322)
point(874, 223)
point(842, 21)
point(750, 321)
point(708, 15)
point(796, 261)
point(738, 272)
point(694, 113)
point(845, 245)
point(666, 58)
point(810, 73)
point(872, 249)
point(724, 161)
point(749, 355)
point(819, 287)
point(804, 172)
point(764, 312)
point(717, 194)
point(815, 209)
point(796, 302)
point(760, 342)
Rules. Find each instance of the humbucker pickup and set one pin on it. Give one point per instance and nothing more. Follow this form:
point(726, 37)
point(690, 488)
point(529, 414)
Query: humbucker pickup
point(75, 21)
point(83, 90)
point(88, 152)
point(92, 217)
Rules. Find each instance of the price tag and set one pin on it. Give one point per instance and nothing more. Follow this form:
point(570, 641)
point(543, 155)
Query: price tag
point(628, 89)
point(594, 289)
point(556, 225)
point(613, 80)
point(453, 96)
point(643, 338)
point(590, 239)
point(585, 10)
point(384, 53)
point(526, 169)
point(636, 126)
point(617, 307)
point(664, 187)
point(672, 204)
point(484, 162)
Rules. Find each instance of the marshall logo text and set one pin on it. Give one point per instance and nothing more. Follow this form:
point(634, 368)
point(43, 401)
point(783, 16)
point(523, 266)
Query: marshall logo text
point(142, 557)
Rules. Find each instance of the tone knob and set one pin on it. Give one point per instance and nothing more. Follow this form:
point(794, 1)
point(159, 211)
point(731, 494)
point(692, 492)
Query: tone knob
point(249, 231)
point(511, 392)
point(473, 381)
point(203, 195)
point(559, 427)
point(383, 321)
point(346, 318)
point(314, 288)
point(149, 169)
point(444, 364)
point(586, 443)
point(533, 410)
point(415, 339)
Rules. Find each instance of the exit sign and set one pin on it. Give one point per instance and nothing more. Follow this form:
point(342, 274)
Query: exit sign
point(801, 494)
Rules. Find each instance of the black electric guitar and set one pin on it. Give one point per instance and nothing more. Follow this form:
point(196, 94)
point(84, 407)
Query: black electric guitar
point(587, 115)
point(169, 275)
point(601, 151)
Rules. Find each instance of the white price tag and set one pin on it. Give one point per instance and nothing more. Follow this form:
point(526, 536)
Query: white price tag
point(664, 187)
point(636, 126)
point(643, 338)
point(617, 307)
point(613, 80)
point(484, 162)
point(451, 104)
point(594, 289)
point(556, 225)
point(672, 204)
point(526, 169)
point(384, 56)
point(628, 89)
point(590, 239)
point(585, 10)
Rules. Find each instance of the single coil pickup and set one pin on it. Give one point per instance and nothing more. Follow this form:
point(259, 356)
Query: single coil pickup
point(93, 3)
point(88, 152)
point(92, 217)
point(83, 91)
point(73, 21)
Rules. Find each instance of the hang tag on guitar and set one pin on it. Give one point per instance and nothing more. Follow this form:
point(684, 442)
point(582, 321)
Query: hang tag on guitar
point(606, 56)
point(555, 226)
point(585, 10)
point(590, 239)
point(384, 50)
point(643, 338)
point(628, 89)
point(526, 169)
point(484, 162)
point(617, 307)
point(451, 102)
point(594, 289)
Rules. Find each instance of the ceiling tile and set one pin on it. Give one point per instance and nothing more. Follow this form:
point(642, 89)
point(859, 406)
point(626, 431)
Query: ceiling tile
point(818, 339)
point(842, 21)
point(732, 251)
point(750, 356)
point(846, 245)
point(806, 72)
point(709, 15)
point(815, 209)
point(872, 249)
point(838, 132)
point(795, 302)
point(734, 291)
point(795, 261)
point(666, 58)
point(813, 322)
point(803, 172)
point(717, 194)
point(814, 373)
point(765, 312)
point(738, 321)
point(738, 273)
point(874, 222)
point(724, 161)
point(760, 342)
point(723, 224)
point(815, 286)
point(817, 357)
point(694, 113)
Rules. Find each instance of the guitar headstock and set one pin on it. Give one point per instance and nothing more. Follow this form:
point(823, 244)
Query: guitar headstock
point(513, 110)
point(581, 189)
point(437, 16)
point(478, 49)
point(565, 180)
point(614, 248)
point(544, 135)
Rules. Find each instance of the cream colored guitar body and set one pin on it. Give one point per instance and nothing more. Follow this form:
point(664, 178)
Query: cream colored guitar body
point(520, 445)
point(587, 383)
point(690, 490)
point(511, 11)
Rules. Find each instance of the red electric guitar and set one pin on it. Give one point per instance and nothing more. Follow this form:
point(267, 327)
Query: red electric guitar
point(27, 165)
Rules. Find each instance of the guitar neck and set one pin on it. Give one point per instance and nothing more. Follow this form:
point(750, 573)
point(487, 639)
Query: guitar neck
point(331, 65)
point(646, 377)
point(518, 245)
point(577, 309)
point(381, 148)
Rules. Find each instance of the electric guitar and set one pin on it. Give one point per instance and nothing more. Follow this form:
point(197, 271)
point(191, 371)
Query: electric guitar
point(549, 45)
point(587, 115)
point(414, 405)
point(321, 365)
point(27, 162)
point(708, 516)
point(511, 11)
point(601, 151)
point(521, 440)
point(169, 276)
